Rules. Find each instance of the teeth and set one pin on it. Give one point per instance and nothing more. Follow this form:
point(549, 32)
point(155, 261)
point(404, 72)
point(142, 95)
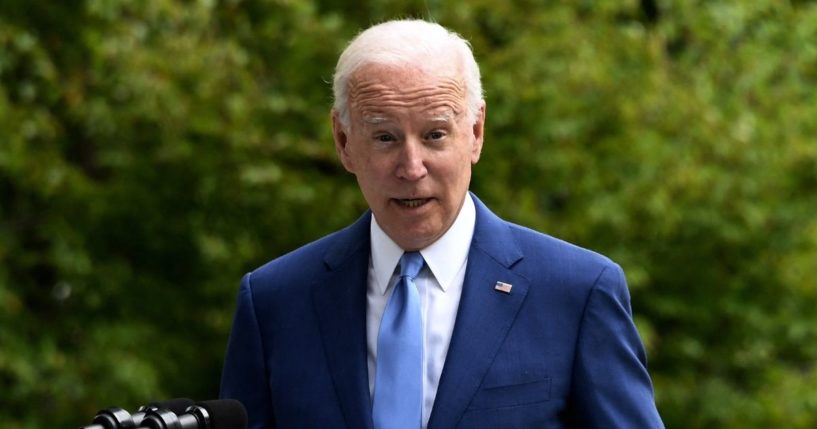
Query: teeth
point(417, 202)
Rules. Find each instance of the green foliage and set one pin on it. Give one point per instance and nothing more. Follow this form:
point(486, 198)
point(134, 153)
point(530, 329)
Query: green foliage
point(152, 152)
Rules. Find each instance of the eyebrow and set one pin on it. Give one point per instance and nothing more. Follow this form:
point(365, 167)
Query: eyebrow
point(375, 120)
point(447, 115)
point(443, 117)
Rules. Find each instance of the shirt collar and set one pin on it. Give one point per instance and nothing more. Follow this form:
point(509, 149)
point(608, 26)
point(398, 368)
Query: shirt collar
point(444, 257)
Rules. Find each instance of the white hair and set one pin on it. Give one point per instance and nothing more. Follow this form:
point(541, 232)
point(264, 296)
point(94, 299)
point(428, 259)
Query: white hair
point(416, 43)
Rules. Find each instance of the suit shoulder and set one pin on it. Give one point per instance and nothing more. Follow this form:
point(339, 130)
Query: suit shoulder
point(311, 259)
point(558, 258)
point(532, 239)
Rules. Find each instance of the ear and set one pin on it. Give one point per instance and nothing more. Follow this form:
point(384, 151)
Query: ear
point(478, 130)
point(341, 136)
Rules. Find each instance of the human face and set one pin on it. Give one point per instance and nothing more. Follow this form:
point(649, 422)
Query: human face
point(411, 145)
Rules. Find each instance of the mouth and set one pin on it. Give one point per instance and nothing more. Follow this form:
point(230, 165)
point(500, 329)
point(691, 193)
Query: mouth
point(412, 203)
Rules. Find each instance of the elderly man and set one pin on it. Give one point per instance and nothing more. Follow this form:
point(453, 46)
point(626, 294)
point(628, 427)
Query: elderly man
point(430, 311)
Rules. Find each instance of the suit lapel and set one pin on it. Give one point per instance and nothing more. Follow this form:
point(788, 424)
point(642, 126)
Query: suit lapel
point(339, 299)
point(484, 317)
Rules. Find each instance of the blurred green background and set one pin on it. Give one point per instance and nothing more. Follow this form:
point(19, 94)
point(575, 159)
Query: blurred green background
point(151, 152)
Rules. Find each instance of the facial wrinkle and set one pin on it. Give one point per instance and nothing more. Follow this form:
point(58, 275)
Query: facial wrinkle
point(365, 94)
point(373, 98)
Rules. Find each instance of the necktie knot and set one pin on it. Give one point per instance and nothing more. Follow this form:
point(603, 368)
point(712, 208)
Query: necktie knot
point(410, 264)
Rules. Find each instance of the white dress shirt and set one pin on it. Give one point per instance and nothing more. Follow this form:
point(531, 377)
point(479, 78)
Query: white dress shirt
point(439, 285)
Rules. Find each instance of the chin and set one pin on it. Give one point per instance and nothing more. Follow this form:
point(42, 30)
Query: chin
point(418, 240)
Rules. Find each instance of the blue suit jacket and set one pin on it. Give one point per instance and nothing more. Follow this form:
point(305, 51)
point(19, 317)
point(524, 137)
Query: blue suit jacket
point(559, 351)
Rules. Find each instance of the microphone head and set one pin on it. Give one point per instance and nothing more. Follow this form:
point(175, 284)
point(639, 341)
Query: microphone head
point(225, 413)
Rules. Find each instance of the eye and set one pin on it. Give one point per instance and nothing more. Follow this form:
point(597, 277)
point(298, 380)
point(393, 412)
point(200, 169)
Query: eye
point(384, 138)
point(435, 135)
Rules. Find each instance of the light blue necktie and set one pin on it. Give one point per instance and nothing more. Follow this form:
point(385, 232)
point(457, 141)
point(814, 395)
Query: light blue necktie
point(398, 382)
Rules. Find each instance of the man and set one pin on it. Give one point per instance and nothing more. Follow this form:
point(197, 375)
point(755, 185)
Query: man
point(429, 311)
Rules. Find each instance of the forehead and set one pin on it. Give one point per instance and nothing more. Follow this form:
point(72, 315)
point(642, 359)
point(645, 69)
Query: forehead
point(379, 91)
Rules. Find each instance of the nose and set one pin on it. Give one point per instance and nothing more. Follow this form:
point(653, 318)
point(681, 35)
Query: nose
point(412, 163)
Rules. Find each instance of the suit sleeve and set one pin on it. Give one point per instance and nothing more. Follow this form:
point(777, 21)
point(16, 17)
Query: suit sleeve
point(245, 375)
point(611, 387)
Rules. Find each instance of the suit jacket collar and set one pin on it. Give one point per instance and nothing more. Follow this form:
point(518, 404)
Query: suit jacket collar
point(484, 317)
point(340, 307)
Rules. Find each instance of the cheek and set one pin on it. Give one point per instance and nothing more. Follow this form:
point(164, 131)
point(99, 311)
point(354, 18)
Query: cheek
point(373, 168)
point(359, 158)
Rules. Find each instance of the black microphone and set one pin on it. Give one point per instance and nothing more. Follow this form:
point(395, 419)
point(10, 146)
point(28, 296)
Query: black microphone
point(111, 418)
point(117, 418)
point(225, 413)
point(215, 414)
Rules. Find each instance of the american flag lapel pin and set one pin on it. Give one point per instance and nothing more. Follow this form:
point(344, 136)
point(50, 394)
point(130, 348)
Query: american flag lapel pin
point(503, 287)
